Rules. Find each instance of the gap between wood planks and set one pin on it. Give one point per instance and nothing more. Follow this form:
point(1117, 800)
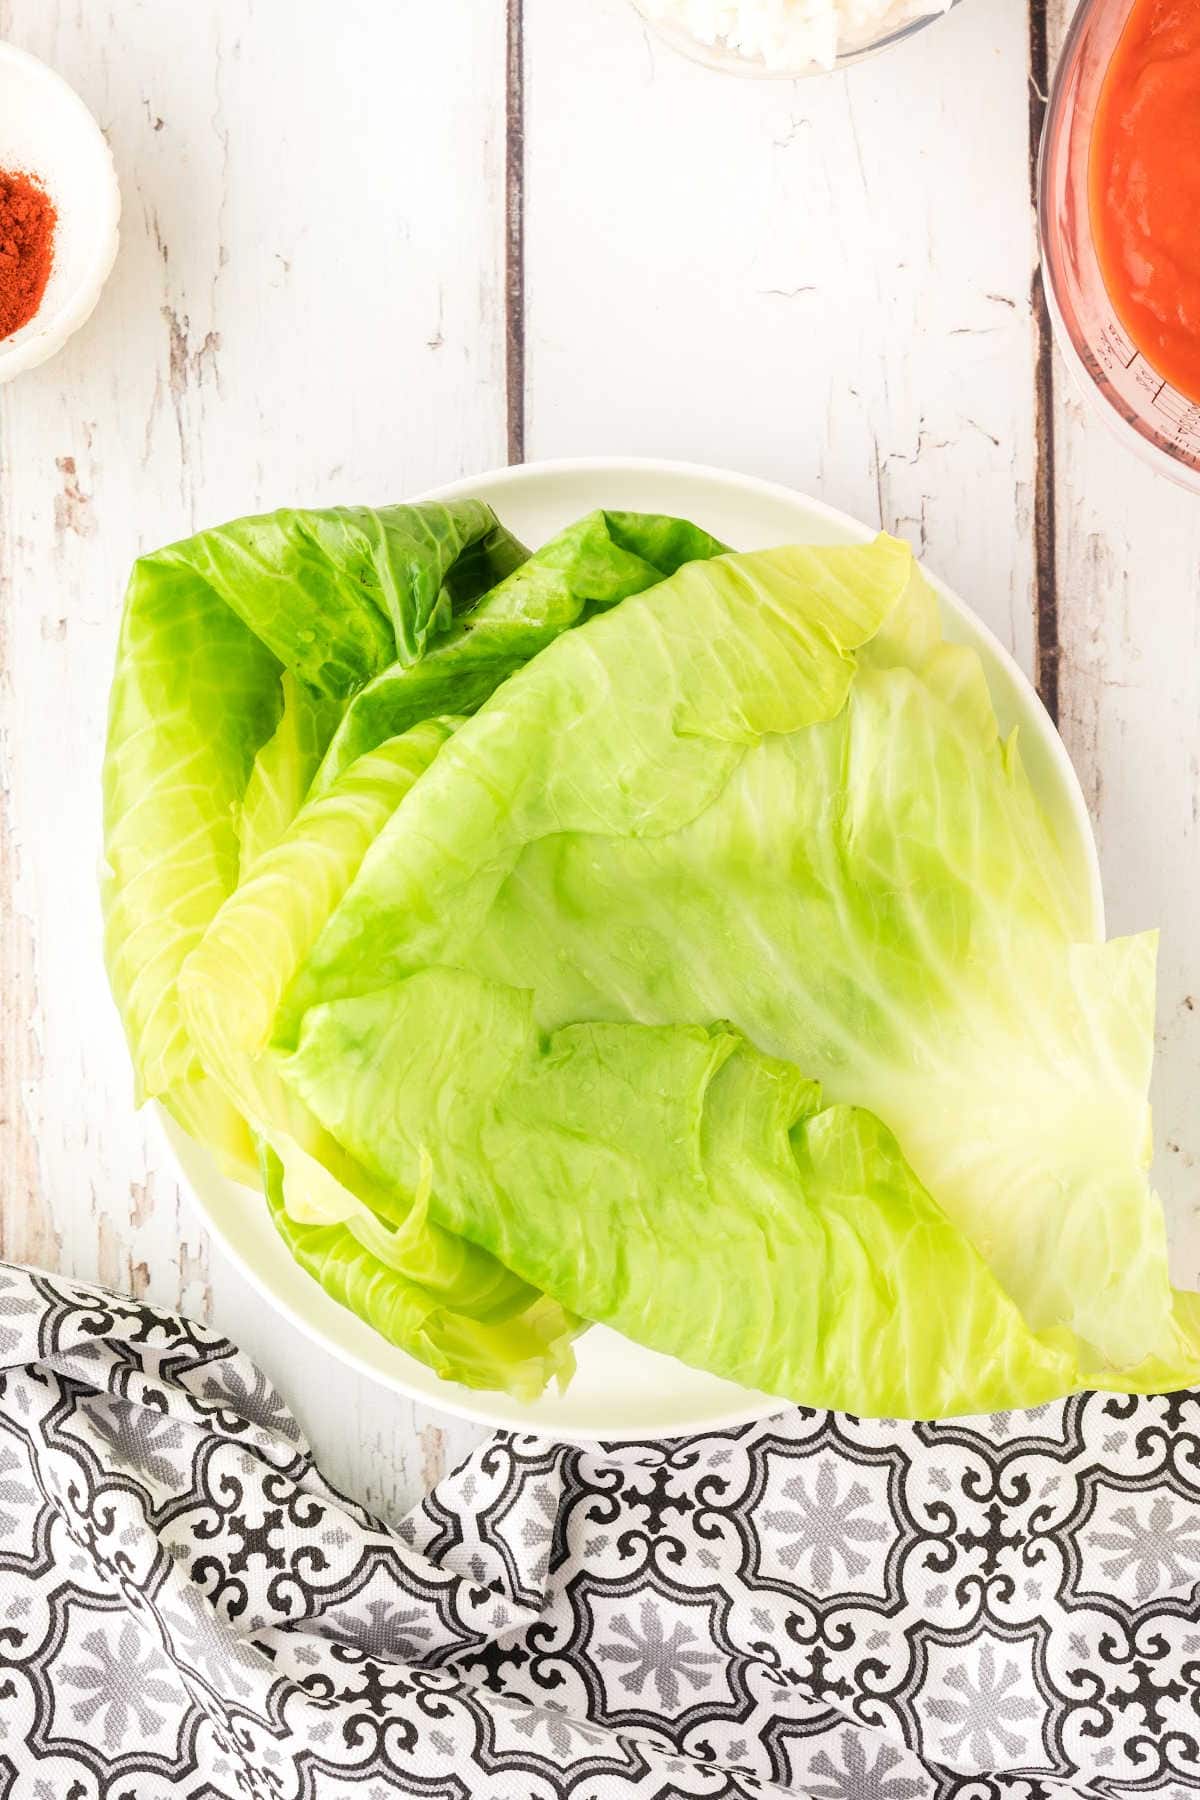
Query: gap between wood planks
point(1045, 560)
point(514, 229)
point(1045, 550)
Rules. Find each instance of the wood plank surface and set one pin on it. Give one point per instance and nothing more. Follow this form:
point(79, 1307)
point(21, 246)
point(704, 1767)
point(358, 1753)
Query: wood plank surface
point(1127, 571)
point(308, 306)
point(796, 279)
point(358, 262)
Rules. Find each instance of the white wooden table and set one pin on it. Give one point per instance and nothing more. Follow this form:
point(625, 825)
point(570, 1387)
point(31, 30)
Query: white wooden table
point(370, 247)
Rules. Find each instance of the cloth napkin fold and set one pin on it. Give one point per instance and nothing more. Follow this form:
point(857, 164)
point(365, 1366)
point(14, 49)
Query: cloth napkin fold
point(818, 1606)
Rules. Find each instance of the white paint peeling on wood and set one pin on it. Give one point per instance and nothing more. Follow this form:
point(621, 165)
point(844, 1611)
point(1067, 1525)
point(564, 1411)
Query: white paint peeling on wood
point(824, 282)
point(307, 307)
point(1128, 578)
point(1129, 686)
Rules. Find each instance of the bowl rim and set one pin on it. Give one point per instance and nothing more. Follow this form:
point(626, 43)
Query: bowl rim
point(720, 61)
point(28, 351)
point(184, 1155)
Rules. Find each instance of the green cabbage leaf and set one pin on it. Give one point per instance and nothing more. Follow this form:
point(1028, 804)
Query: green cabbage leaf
point(633, 933)
point(277, 694)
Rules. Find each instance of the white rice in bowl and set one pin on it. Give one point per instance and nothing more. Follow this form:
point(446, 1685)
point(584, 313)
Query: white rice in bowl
point(790, 34)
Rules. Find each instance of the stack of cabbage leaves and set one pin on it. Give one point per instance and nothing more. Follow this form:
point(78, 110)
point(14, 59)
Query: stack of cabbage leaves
point(632, 932)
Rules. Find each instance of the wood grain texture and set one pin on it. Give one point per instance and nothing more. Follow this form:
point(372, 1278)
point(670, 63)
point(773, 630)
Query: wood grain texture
point(308, 307)
point(514, 228)
point(361, 261)
point(1128, 580)
point(826, 282)
point(1045, 535)
point(1129, 686)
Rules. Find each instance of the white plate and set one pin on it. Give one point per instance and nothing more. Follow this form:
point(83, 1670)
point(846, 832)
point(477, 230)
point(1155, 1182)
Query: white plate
point(621, 1391)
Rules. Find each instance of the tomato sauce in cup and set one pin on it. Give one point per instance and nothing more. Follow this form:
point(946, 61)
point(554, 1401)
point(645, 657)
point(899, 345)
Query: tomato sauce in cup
point(1144, 186)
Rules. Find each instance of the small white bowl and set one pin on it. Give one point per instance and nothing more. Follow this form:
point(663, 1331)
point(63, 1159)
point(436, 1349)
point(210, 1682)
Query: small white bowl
point(46, 131)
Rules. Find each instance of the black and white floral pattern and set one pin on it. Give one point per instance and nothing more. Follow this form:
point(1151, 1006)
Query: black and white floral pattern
point(992, 1608)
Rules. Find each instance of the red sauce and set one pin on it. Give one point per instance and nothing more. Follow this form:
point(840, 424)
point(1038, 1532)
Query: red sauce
point(1144, 179)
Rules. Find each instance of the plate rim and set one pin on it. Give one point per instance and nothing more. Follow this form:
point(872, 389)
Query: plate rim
point(458, 1402)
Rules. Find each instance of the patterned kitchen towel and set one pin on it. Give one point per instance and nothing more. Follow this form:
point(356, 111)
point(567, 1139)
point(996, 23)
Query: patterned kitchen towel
point(992, 1608)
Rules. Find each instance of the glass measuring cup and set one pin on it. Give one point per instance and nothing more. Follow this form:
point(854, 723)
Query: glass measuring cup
point(1162, 424)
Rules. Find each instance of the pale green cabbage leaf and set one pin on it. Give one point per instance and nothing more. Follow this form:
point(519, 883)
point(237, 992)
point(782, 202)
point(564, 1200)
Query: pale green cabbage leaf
point(632, 933)
point(244, 655)
point(766, 792)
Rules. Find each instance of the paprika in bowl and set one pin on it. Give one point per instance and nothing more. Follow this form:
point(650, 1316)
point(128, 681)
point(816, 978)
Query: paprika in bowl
point(59, 207)
point(1119, 220)
point(28, 218)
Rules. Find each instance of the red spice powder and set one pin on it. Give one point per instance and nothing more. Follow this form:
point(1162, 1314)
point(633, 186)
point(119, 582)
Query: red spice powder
point(27, 221)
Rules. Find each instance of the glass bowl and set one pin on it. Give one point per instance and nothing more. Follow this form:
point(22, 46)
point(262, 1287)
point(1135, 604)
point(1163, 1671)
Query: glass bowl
point(1112, 375)
point(731, 62)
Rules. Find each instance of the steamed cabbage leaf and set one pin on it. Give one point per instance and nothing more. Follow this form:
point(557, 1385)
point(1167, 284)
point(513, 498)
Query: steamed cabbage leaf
point(593, 565)
point(284, 769)
point(763, 1235)
point(243, 656)
point(766, 792)
point(210, 627)
point(553, 935)
point(429, 1292)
